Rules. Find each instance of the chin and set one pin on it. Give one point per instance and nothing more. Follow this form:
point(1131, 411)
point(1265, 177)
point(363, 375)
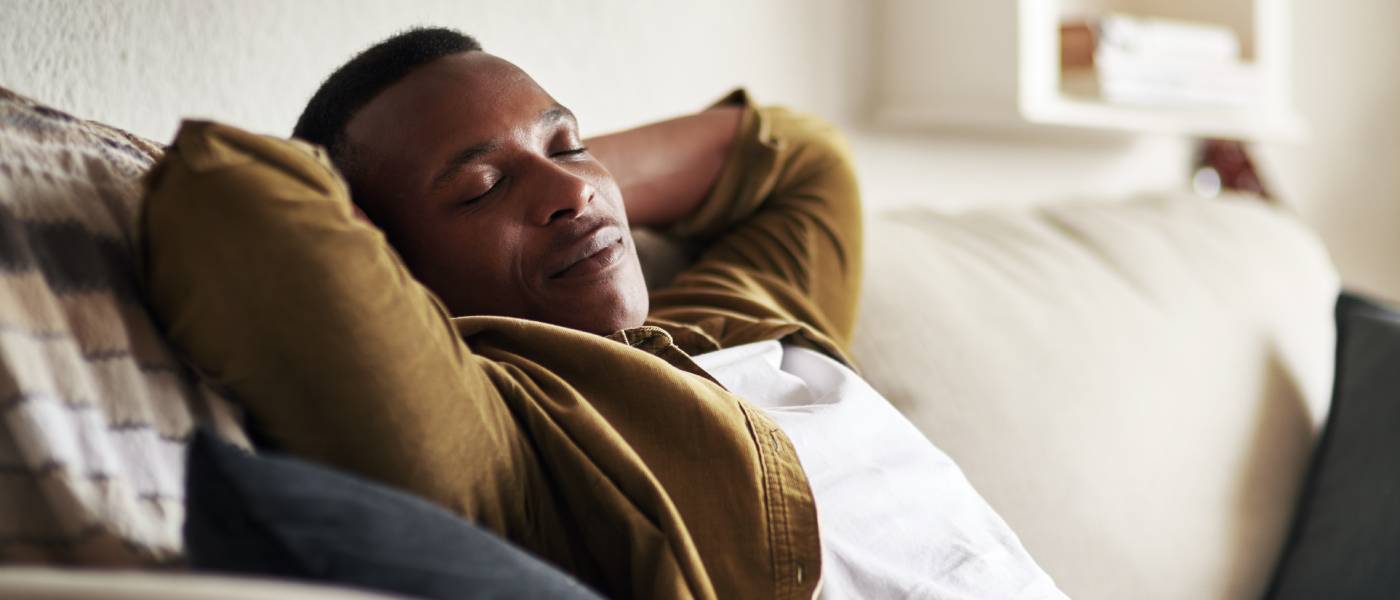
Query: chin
point(621, 307)
point(611, 321)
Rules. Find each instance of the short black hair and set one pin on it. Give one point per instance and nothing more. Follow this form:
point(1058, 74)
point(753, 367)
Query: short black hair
point(370, 72)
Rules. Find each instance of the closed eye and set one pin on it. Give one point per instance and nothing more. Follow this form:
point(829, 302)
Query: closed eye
point(484, 194)
point(571, 152)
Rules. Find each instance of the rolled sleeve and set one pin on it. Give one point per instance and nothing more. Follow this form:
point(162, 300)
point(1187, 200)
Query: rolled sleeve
point(782, 229)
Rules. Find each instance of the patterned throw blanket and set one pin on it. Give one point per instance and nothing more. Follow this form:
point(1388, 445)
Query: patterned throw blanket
point(95, 410)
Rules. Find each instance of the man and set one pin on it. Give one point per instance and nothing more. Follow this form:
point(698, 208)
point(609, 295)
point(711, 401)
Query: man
point(706, 440)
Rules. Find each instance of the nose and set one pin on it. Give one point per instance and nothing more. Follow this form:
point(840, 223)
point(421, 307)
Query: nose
point(561, 194)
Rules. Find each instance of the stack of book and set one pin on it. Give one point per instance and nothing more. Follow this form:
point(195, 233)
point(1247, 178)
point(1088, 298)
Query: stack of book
point(1156, 62)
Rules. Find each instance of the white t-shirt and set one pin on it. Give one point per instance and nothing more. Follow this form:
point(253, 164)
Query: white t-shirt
point(898, 519)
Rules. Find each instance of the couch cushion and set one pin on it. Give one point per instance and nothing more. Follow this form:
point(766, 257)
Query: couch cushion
point(279, 516)
point(96, 410)
point(1134, 386)
point(1346, 539)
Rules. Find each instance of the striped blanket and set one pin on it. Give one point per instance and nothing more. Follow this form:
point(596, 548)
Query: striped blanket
point(95, 410)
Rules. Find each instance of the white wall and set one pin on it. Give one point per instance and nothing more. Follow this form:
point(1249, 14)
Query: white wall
point(143, 64)
point(1345, 178)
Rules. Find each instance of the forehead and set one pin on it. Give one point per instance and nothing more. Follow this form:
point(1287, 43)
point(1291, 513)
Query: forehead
point(451, 102)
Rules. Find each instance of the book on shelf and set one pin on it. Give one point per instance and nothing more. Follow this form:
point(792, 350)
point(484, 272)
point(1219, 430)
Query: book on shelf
point(1122, 59)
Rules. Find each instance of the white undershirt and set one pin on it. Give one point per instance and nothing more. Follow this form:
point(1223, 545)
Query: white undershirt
point(898, 519)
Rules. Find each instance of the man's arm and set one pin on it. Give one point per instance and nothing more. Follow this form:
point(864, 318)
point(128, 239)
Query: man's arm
point(781, 227)
point(260, 278)
point(666, 169)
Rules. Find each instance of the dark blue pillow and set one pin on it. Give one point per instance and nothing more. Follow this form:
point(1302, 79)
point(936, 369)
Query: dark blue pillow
point(1345, 541)
point(281, 517)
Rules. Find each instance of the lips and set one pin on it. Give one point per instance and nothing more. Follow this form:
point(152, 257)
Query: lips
point(591, 253)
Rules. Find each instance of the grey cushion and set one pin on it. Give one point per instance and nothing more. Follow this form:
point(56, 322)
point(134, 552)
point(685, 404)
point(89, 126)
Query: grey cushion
point(272, 516)
point(1346, 540)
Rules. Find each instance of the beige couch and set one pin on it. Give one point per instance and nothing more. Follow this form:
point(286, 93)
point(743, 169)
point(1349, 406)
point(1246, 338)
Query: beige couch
point(1134, 384)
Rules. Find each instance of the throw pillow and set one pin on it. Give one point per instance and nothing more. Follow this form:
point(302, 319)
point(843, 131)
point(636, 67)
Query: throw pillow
point(96, 407)
point(278, 516)
point(1346, 538)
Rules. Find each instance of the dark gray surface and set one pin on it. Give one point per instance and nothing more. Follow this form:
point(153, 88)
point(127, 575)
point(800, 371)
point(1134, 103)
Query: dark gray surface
point(1345, 542)
point(280, 517)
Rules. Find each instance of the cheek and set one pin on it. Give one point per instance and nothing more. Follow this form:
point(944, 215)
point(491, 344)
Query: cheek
point(607, 188)
point(477, 254)
point(466, 263)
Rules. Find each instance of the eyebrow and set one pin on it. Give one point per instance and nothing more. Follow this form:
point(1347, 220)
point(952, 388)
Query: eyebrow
point(549, 116)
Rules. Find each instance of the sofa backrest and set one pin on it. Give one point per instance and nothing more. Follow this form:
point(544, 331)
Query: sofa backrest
point(96, 410)
point(1135, 385)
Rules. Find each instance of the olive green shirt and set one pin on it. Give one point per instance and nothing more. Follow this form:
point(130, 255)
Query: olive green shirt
point(622, 463)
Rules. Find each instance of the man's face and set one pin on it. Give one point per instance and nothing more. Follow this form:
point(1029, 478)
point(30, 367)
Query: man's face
point(479, 179)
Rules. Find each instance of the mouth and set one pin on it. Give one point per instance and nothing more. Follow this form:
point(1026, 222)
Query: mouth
point(590, 255)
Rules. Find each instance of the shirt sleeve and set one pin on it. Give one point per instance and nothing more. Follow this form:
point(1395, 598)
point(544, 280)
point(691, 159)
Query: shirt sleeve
point(263, 280)
point(782, 234)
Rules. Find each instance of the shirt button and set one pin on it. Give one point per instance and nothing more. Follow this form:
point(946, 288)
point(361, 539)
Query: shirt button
point(799, 573)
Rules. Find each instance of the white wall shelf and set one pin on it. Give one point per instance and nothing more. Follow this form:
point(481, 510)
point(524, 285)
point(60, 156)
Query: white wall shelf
point(995, 64)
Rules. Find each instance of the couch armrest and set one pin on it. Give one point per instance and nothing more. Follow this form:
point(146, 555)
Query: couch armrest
point(42, 583)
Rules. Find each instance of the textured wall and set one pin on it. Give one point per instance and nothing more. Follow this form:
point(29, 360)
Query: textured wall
point(141, 64)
